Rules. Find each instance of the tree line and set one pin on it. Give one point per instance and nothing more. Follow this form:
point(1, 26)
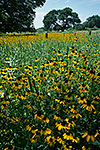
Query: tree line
point(19, 15)
point(66, 18)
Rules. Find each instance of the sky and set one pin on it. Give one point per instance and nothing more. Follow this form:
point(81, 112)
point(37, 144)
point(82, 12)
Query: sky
point(84, 8)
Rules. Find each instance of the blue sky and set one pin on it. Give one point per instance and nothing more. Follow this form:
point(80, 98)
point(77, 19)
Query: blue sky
point(84, 8)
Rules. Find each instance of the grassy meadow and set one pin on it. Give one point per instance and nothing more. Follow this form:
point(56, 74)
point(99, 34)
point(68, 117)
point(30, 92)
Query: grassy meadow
point(50, 91)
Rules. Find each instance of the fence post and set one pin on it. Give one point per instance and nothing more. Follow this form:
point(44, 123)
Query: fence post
point(90, 32)
point(46, 35)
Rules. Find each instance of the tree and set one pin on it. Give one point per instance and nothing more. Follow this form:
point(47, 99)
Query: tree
point(93, 21)
point(40, 30)
point(50, 20)
point(79, 27)
point(60, 19)
point(18, 15)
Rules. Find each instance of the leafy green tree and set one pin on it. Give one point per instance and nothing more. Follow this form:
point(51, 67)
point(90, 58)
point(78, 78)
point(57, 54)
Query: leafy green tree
point(40, 30)
point(79, 27)
point(60, 19)
point(50, 20)
point(93, 21)
point(18, 15)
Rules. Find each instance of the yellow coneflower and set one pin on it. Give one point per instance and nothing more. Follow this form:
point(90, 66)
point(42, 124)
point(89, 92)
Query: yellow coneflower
point(88, 137)
point(10, 147)
point(97, 133)
point(33, 139)
point(88, 106)
point(66, 147)
point(36, 60)
point(83, 148)
point(60, 140)
point(38, 116)
point(50, 140)
point(53, 51)
point(47, 131)
point(57, 117)
point(29, 107)
point(45, 120)
point(67, 136)
point(28, 128)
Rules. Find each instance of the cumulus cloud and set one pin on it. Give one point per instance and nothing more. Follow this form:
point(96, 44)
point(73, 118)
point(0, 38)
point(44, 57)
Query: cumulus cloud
point(38, 21)
point(40, 13)
point(67, 0)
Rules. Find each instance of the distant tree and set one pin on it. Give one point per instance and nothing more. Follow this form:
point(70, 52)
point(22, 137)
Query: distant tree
point(50, 20)
point(93, 21)
point(40, 30)
point(18, 15)
point(60, 19)
point(79, 27)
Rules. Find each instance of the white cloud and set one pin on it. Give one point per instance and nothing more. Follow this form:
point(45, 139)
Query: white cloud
point(38, 21)
point(38, 13)
point(67, 0)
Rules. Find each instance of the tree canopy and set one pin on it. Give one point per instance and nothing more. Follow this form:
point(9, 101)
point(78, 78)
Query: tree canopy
point(93, 21)
point(60, 19)
point(18, 15)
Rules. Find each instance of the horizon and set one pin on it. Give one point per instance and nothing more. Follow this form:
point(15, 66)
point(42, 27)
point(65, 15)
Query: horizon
point(84, 9)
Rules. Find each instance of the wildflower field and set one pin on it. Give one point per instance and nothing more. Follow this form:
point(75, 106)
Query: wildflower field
point(50, 91)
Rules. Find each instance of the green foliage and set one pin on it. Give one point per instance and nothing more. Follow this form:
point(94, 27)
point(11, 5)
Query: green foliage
point(95, 28)
point(93, 21)
point(79, 27)
point(40, 30)
point(1, 33)
point(60, 19)
point(18, 15)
